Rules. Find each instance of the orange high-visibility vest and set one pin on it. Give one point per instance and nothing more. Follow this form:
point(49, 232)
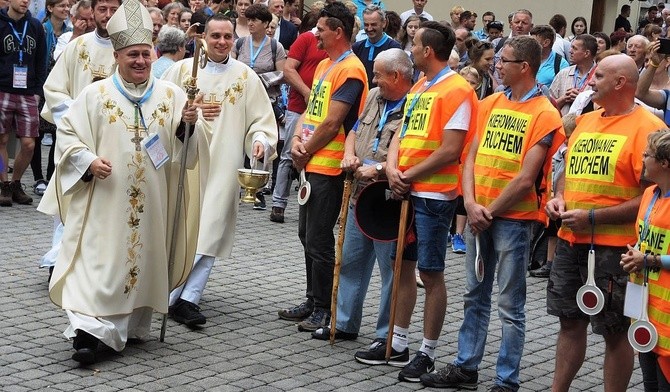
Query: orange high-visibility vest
point(506, 131)
point(327, 160)
point(658, 243)
point(426, 124)
point(603, 167)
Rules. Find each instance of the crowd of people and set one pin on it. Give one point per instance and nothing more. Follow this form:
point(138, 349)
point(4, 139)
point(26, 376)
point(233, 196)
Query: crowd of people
point(497, 139)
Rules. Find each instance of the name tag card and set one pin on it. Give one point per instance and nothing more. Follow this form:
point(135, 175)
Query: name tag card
point(156, 150)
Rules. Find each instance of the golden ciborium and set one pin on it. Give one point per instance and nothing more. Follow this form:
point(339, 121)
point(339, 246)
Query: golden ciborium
point(252, 180)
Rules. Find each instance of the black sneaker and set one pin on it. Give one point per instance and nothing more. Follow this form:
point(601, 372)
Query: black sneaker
point(259, 204)
point(376, 355)
point(187, 313)
point(324, 334)
point(542, 272)
point(421, 364)
point(501, 388)
point(451, 376)
point(319, 318)
point(297, 313)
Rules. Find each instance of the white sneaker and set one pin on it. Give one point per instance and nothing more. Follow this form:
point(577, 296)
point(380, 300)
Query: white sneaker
point(47, 139)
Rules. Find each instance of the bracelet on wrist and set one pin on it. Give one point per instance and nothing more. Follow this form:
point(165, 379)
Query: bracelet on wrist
point(653, 64)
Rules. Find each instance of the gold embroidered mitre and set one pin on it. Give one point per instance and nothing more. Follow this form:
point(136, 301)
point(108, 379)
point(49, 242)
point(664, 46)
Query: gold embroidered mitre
point(130, 25)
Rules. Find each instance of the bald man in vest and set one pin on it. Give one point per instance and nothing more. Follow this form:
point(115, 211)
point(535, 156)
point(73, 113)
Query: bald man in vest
point(518, 131)
point(597, 198)
point(422, 164)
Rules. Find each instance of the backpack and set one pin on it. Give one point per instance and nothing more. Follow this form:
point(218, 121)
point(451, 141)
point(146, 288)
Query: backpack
point(557, 63)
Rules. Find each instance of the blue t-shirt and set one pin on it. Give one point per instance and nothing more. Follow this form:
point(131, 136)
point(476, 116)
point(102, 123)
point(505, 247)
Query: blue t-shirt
point(546, 73)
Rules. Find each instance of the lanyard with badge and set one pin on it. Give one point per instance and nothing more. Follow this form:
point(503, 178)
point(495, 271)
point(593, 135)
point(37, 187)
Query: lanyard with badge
point(152, 144)
point(253, 56)
point(530, 94)
point(412, 104)
point(382, 121)
point(20, 77)
point(580, 83)
point(308, 129)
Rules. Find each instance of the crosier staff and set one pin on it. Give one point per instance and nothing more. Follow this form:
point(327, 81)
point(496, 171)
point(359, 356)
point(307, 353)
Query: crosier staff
point(344, 211)
point(199, 60)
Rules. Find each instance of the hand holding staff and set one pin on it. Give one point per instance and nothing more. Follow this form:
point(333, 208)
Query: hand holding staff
point(199, 58)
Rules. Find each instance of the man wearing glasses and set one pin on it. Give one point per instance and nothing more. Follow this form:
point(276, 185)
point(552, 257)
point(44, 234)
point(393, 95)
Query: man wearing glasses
point(518, 131)
point(318, 147)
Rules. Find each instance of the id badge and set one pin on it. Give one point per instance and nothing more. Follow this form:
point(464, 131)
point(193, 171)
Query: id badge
point(20, 78)
point(632, 304)
point(157, 153)
point(307, 132)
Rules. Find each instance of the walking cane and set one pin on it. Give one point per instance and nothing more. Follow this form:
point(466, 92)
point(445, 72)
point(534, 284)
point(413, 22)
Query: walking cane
point(199, 59)
point(397, 268)
point(344, 211)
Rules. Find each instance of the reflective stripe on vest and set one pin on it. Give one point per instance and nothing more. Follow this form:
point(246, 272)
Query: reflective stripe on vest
point(327, 160)
point(507, 130)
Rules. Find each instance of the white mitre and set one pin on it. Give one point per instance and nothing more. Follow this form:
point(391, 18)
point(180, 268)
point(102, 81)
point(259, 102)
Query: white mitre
point(130, 25)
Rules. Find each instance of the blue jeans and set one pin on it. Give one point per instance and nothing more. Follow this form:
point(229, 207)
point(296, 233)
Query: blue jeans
point(432, 219)
point(282, 186)
point(358, 259)
point(505, 244)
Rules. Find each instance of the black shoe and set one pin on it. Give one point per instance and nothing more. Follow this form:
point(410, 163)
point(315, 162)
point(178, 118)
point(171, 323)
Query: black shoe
point(501, 388)
point(421, 364)
point(277, 215)
point(187, 313)
point(324, 334)
point(297, 313)
point(51, 272)
point(86, 346)
point(319, 318)
point(259, 204)
point(451, 376)
point(84, 356)
point(542, 272)
point(376, 355)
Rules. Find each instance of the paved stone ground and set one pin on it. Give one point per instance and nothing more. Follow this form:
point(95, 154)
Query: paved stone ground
point(244, 346)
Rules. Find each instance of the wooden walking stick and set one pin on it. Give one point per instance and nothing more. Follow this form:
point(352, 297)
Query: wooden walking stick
point(397, 268)
point(199, 59)
point(344, 211)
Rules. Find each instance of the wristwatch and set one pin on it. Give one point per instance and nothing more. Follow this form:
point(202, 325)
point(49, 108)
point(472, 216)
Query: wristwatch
point(379, 168)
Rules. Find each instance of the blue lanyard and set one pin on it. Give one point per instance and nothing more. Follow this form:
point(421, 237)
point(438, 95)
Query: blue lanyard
point(317, 88)
point(20, 38)
point(136, 102)
point(382, 121)
point(253, 56)
point(416, 99)
point(646, 223)
point(368, 44)
point(530, 94)
point(579, 83)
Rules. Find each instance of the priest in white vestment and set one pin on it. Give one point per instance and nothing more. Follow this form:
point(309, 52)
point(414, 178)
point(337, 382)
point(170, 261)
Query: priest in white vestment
point(117, 159)
point(239, 120)
point(86, 59)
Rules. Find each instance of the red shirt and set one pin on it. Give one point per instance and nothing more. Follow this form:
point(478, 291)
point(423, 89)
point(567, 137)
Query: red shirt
point(304, 50)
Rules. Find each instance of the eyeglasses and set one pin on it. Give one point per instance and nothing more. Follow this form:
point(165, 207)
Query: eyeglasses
point(647, 155)
point(505, 61)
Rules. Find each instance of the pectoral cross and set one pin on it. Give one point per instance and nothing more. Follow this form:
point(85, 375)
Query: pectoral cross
point(137, 129)
point(212, 99)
